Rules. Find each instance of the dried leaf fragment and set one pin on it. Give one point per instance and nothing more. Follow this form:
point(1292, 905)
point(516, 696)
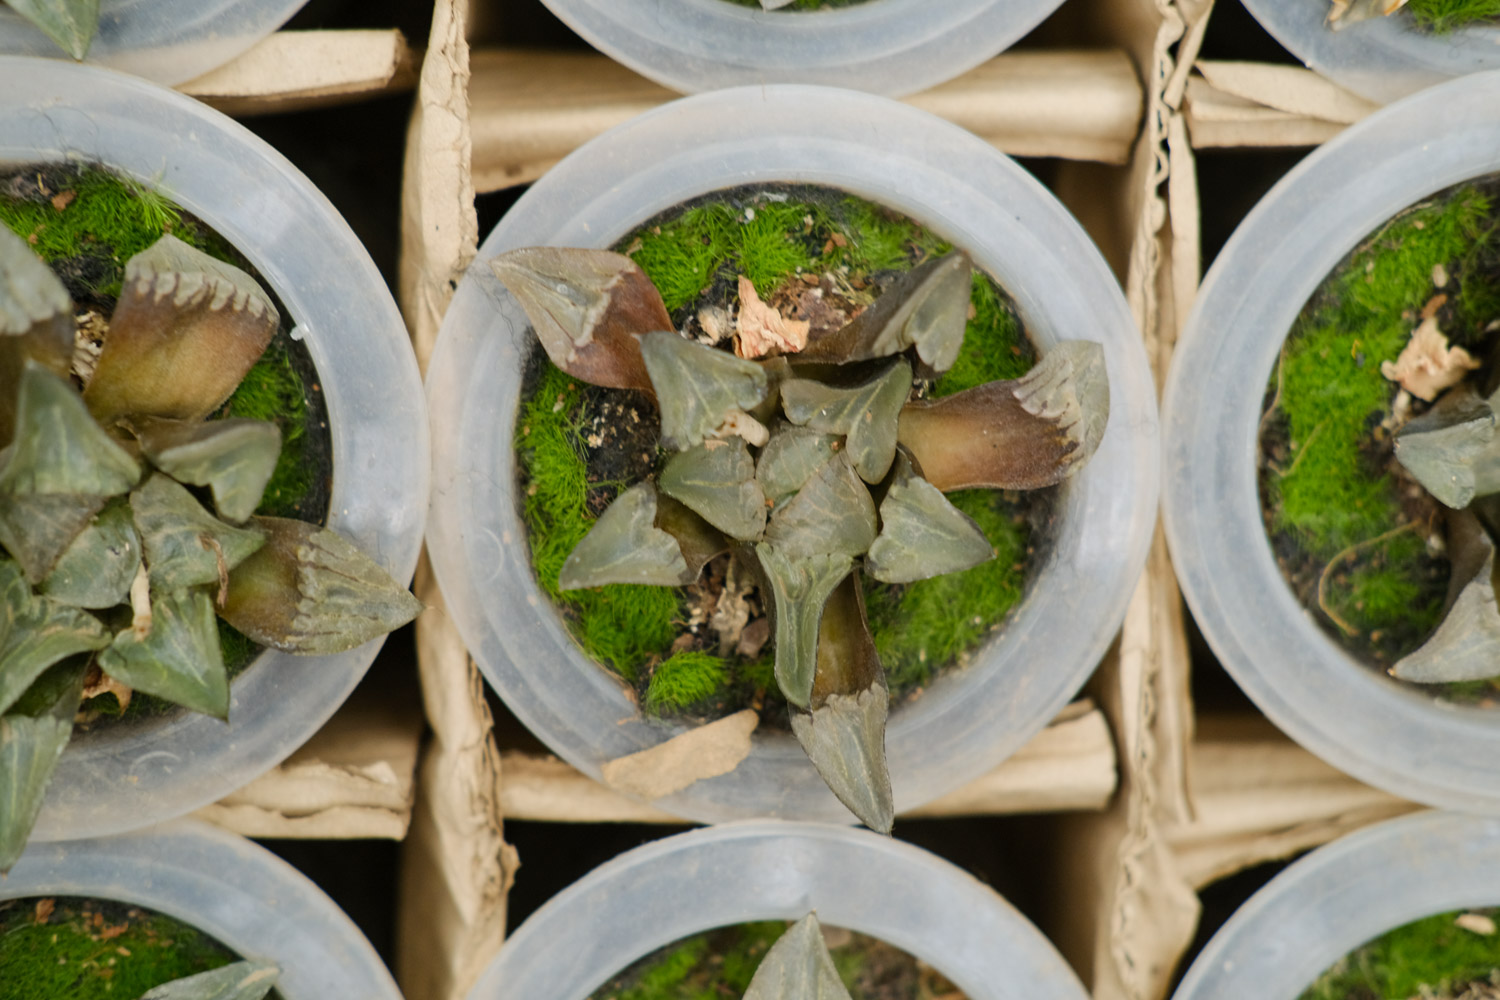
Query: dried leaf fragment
point(1347, 12)
point(1475, 923)
point(762, 328)
point(1427, 365)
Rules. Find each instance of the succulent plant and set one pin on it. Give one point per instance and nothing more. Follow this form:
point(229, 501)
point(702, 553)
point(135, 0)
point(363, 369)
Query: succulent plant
point(798, 967)
point(69, 23)
point(249, 980)
point(115, 568)
point(812, 466)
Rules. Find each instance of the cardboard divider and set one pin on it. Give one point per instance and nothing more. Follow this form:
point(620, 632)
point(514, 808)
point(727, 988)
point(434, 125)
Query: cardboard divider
point(295, 70)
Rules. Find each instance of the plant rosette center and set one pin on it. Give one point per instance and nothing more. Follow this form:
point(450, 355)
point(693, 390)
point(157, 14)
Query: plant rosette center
point(790, 391)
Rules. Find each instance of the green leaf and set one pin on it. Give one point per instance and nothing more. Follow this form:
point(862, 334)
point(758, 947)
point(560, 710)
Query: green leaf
point(868, 414)
point(69, 23)
point(790, 458)
point(1444, 449)
point(36, 633)
point(309, 590)
point(185, 331)
point(235, 458)
point(250, 980)
point(32, 738)
point(717, 479)
point(185, 545)
point(588, 308)
point(799, 585)
point(698, 387)
point(624, 546)
point(832, 512)
point(798, 967)
point(179, 658)
point(1466, 645)
point(698, 540)
point(97, 569)
point(36, 322)
point(922, 535)
point(37, 530)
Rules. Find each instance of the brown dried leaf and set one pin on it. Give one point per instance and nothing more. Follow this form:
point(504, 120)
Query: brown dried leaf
point(1427, 365)
point(763, 329)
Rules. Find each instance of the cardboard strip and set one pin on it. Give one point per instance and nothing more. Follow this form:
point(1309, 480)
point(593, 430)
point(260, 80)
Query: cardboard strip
point(1252, 104)
point(293, 70)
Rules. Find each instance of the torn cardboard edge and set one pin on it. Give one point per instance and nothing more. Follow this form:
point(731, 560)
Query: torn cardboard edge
point(1260, 104)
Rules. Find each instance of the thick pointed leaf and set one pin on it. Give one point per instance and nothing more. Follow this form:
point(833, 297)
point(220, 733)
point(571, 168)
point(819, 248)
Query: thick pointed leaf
point(927, 307)
point(36, 322)
point(185, 545)
point(588, 307)
point(97, 569)
point(248, 980)
point(921, 534)
point(1466, 646)
point(185, 331)
point(790, 459)
point(868, 414)
point(832, 512)
point(69, 23)
point(37, 530)
point(59, 449)
point(698, 540)
point(234, 458)
point(32, 738)
point(698, 387)
point(37, 632)
point(717, 479)
point(800, 586)
point(179, 658)
point(1440, 447)
point(309, 590)
point(798, 967)
point(1020, 435)
point(625, 546)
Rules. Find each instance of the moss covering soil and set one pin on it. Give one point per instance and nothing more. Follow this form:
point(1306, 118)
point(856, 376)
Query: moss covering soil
point(1433, 958)
point(1442, 17)
point(578, 446)
point(1356, 538)
point(719, 964)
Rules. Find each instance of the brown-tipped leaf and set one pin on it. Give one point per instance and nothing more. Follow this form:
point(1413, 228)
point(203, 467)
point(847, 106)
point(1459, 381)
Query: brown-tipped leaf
point(97, 569)
point(1466, 645)
point(800, 585)
point(867, 414)
point(1024, 434)
point(832, 512)
point(921, 534)
point(248, 980)
point(798, 967)
point(36, 322)
point(698, 387)
point(32, 738)
point(625, 546)
point(69, 23)
point(698, 540)
point(178, 658)
point(309, 590)
point(1440, 447)
point(37, 632)
point(717, 479)
point(588, 308)
point(234, 458)
point(928, 307)
point(185, 545)
point(185, 331)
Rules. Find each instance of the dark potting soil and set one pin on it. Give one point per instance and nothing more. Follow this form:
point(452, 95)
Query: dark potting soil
point(720, 964)
point(35, 202)
point(792, 240)
point(89, 949)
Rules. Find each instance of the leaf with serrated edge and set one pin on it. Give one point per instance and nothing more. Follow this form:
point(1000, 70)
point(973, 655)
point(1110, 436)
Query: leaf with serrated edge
point(832, 512)
point(36, 322)
point(698, 540)
point(698, 387)
point(234, 458)
point(798, 967)
point(248, 980)
point(799, 586)
point(179, 659)
point(588, 308)
point(185, 331)
point(36, 633)
point(717, 479)
point(310, 590)
point(1023, 434)
point(69, 23)
point(1466, 645)
point(790, 458)
point(1440, 447)
point(922, 535)
point(97, 569)
point(185, 545)
point(625, 546)
point(32, 738)
point(868, 414)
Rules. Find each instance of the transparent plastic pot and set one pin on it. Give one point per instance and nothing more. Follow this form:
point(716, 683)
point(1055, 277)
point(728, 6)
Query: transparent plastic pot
point(1394, 736)
point(966, 721)
point(168, 41)
point(123, 777)
point(891, 47)
point(1343, 895)
point(674, 888)
point(229, 888)
point(1382, 59)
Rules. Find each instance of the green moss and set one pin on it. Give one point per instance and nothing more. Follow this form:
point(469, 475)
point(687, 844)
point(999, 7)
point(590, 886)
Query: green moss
point(1442, 17)
point(1428, 957)
point(994, 348)
point(684, 680)
point(273, 390)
